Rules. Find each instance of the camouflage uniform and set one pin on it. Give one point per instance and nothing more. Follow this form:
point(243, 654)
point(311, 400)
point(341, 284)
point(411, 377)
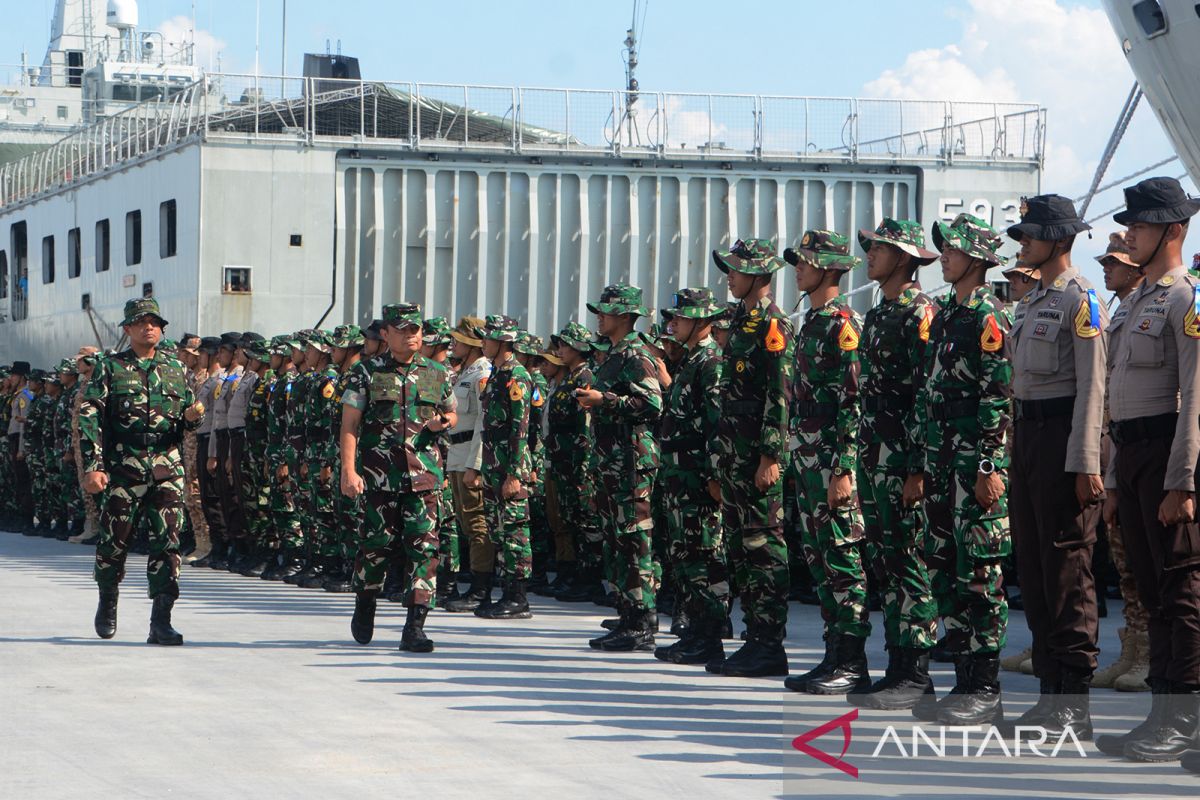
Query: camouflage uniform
point(349, 510)
point(436, 333)
point(539, 526)
point(284, 514)
point(321, 405)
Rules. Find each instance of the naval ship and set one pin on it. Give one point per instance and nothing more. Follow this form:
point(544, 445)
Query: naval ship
point(271, 203)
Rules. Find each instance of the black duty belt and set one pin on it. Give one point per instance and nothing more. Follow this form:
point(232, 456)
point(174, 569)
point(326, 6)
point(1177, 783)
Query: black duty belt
point(879, 403)
point(1051, 408)
point(462, 437)
point(695, 442)
point(810, 410)
point(146, 440)
point(742, 408)
point(495, 435)
point(1140, 429)
point(956, 409)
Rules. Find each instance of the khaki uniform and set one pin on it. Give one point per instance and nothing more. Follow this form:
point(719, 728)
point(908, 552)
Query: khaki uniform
point(466, 452)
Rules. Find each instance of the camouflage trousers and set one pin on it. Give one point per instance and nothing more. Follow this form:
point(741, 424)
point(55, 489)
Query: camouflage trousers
point(43, 489)
point(155, 507)
point(285, 514)
point(400, 526)
point(756, 549)
point(255, 497)
point(447, 531)
point(508, 521)
point(964, 548)
point(576, 510)
point(660, 540)
point(696, 545)
point(323, 520)
point(623, 503)
point(895, 547)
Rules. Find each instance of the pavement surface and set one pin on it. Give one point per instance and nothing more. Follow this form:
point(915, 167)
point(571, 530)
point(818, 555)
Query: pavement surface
point(271, 698)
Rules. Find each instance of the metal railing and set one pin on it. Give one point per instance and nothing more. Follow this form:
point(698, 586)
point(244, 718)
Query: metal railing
point(536, 121)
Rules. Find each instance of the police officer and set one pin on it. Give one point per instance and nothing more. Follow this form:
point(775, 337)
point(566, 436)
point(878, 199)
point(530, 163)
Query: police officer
point(210, 500)
point(1154, 404)
point(1057, 342)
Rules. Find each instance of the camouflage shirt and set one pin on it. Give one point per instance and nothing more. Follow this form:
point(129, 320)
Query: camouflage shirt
point(321, 405)
point(256, 412)
point(277, 420)
point(131, 420)
point(895, 336)
point(570, 441)
point(396, 451)
point(504, 421)
point(825, 408)
point(628, 380)
point(968, 388)
point(692, 412)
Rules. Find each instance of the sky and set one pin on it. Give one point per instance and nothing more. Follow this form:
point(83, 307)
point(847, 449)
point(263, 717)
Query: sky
point(1061, 54)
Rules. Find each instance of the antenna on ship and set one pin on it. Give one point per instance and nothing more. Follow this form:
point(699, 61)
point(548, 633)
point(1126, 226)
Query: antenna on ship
point(631, 82)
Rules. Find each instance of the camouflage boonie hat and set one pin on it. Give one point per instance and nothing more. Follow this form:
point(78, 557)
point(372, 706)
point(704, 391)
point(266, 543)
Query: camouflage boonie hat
point(823, 250)
point(749, 257)
point(140, 307)
point(724, 321)
point(436, 332)
point(600, 344)
point(499, 328)
point(903, 234)
point(693, 304)
point(345, 336)
point(620, 298)
point(319, 340)
point(971, 235)
point(68, 364)
point(466, 329)
point(402, 315)
point(575, 336)
point(529, 345)
point(280, 345)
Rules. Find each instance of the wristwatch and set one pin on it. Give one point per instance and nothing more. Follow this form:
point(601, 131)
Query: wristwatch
point(986, 467)
point(840, 471)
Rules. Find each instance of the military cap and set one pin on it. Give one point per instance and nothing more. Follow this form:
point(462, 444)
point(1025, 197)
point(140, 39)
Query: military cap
point(575, 336)
point(402, 315)
point(210, 344)
point(231, 339)
point(903, 234)
point(436, 332)
point(529, 345)
point(823, 250)
point(1117, 250)
point(20, 368)
point(620, 298)
point(140, 307)
point(372, 331)
point(499, 328)
point(465, 331)
point(1047, 217)
point(971, 235)
point(748, 256)
point(345, 336)
point(693, 304)
point(1157, 201)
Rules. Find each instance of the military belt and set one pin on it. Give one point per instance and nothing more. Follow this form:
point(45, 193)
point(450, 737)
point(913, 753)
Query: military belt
point(462, 437)
point(956, 409)
point(742, 408)
point(879, 403)
point(695, 442)
point(1051, 408)
point(1141, 429)
point(495, 435)
point(147, 440)
point(810, 410)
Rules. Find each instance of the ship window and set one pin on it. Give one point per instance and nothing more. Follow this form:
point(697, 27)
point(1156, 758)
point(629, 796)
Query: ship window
point(133, 238)
point(148, 289)
point(19, 238)
point(1149, 16)
point(237, 280)
point(102, 249)
point(296, 240)
point(3, 277)
point(48, 259)
point(166, 229)
point(74, 68)
point(73, 253)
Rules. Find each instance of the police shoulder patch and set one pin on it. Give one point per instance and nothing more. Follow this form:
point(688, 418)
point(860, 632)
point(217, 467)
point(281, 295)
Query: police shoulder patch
point(1086, 323)
point(1191, 323)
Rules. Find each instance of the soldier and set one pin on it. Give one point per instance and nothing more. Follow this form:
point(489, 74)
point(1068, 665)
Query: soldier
point(503, 429)
point(723, 324)
point(285, 518)
point(1057, 343)
point(559, 544)
point(825, 421)
point(395, 405)
point(626, 400)
point(210, 501)
point(253, 391)
point(466, 453)
point(232, 362)
point(894, 336)
point(347, 351)
point(756, 392)
point(67, 491)
point(196, 371)
point(435, 345)
point(528, 352)
point(85, 364)
point(41, 452)
point(236, 482)
point(1152, 478)
point(135, 409)
point(691, 488)
point(963, 417)
point(318, 403)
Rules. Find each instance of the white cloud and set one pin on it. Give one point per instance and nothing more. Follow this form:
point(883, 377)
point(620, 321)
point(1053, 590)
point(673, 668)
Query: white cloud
point(177, 31)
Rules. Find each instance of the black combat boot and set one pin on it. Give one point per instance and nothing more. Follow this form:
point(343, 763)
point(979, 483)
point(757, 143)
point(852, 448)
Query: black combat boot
point(256, 563)
point(393, 581)
point(362, 624)
point(638, 635)
point(702, 646)
point(289, 569)
point(681, 621)
point(202, 562)
point(444, 581)
point(580, 586)
point(622, 622)
point(62, 530)
point(1040, 714)
point(315, 578)
point(275, 563)
point(161, 631)
point(1177, 732)
point(942, 652)
point(761, 656)
point(799, 683)
point(219, 557)
point(233, 562)
point(538, 582)
point(1114, 744)
point(337, 580)
point(1073, 709)
point(413, 638)
point(910, 686)
point(480, 594)
point(562, 579)
point(855, 697)
point(1191, 761)
point(512, 605)
point(981, 705)
point(106, 613)
point(850, 670)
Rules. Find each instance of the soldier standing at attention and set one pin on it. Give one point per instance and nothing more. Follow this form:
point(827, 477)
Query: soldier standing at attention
point(347, 351)
point(285, 520)
point(135, 409)
point(503, 429)
point(395, 405)
point(210, 500)
point(1058, 350)
point(894, 338)
point(529, 350)
point(1154, 403)
point(691, 488)
point(466, 454)
point(253, 443)
point(320, 404)
point(232, 361)
point(86, 364)
point(825, 419)
point(756, 390)
point(435, 345)
point(625, 401)
point(963, 417)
